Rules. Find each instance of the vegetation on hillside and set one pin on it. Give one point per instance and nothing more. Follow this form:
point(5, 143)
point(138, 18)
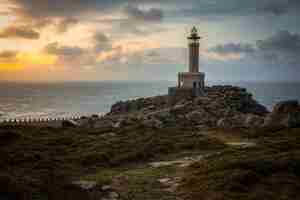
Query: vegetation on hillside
point(271, 170)
point(34, 159)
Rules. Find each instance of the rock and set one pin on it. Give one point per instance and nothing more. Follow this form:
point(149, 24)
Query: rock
point(151, 104)
point(85, 122)
point(285, 114)
point(103, 123)
point(113, 195)
point(178, 109)
point(224, 123)
point(152, 123)
point(201, 117)
point(227, 105)
point(164, 180)
point(253, 121)
point(254, 108)
point(86, 185)
point(286, 107)
point(164, 116)
point(95, 116)
point(106, 187)
point(291, 120)
point(117, 124)
point(70, 124)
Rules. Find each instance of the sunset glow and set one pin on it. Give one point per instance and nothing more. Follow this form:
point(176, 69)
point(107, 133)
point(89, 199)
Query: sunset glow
point(107, 37)
point(24, 60)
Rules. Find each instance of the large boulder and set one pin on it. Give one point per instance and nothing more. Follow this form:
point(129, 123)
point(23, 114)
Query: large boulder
point(284, 114)
point(285, 107)
point(70, 124)
point(152, 123)
point(201, 117)
point(240, 120)
point(224, 123)
point(253, 121)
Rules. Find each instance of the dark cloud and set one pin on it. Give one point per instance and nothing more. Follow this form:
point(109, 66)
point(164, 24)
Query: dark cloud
point(282, 47)
point(71, 56)
point(233, 48)
point(65, 24)
point(151, 15)
point(283, 41)
point(8, 56)
point(101, 42)
point(64, 8)
point(279, 7)
point(221, 8)
point(176, 8)
point(68, 51)
point(19, 32)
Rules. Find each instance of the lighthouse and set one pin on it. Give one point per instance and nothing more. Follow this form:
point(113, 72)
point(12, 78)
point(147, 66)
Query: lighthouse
point(191, 82)
point(194, 51)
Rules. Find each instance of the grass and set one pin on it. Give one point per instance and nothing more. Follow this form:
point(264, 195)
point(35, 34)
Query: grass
point(41, 161)
point(46, 159)
point(136, 183)
point(269, 171)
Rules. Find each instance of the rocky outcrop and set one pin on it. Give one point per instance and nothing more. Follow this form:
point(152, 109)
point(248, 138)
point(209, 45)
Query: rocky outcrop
point(221, 106)
point(285, 114)
point(145, 104)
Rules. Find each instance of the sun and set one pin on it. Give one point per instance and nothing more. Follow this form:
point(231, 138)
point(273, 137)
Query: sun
point(28, 59)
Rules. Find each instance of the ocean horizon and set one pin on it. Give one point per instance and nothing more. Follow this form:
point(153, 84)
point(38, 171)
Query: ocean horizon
point(23, 100)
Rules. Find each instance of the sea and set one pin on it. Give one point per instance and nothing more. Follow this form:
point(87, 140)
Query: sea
point(68, 99)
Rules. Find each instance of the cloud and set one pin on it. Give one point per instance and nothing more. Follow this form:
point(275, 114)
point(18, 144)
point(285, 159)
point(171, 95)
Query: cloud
point(283, 41)
point(70, 56)
point(102, 42)
point(23, 32)
point(126, 52)
point(282, 47)
point(150, 15)
point(221, 8)
point(56, 49)
point(279, 7)
point(53, 8)
point(153, 10)
point(66, 23)
point(232, 48)
point(8, 55)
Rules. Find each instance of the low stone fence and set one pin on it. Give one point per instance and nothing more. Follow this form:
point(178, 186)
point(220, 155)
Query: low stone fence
point(40, 122)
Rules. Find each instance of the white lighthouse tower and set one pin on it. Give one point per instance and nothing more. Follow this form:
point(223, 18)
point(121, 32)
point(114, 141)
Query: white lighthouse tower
point(193, 80)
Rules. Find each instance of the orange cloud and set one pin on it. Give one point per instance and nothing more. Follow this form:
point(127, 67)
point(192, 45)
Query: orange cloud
point(221, 57)
point(121, 50)
point(27, 59)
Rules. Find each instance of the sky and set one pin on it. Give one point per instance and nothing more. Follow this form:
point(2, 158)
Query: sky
point(95, 40)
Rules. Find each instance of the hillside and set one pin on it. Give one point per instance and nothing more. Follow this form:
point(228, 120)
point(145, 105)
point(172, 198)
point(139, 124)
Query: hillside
point(231, 148)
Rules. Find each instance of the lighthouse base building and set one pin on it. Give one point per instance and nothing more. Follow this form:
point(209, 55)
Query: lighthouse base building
point(190, 83)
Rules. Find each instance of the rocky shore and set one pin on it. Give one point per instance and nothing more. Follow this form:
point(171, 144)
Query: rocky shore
point(221, 106)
